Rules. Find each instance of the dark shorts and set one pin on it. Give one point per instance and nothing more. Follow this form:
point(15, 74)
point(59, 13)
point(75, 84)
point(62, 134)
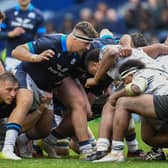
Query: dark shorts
point(3, 122)
point(161, 106)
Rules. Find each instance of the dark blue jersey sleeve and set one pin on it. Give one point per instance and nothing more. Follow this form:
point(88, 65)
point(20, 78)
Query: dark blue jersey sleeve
point(41, 30)
point(3, 26)
point(44, 43)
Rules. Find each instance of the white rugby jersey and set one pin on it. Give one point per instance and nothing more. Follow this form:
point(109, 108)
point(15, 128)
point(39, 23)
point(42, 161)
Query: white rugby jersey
point(163, 62)
point(137, 53)
point(157, 82)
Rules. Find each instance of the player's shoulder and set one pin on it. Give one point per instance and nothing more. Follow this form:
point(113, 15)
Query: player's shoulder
point(54, 36)
point(38, 11)
point(10, 10)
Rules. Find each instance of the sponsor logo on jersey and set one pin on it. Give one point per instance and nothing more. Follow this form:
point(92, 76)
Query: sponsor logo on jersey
point(25, 23)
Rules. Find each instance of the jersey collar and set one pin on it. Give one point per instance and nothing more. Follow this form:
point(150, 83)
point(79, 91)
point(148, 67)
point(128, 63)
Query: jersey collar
point(30, 8)
point(63, 43)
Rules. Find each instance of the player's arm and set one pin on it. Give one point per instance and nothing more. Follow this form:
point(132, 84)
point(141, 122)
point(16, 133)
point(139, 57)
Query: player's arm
point(109, 55)
point(135, 88)
point(2, 69)
point(107, 61)
point(4, 34)
point(11, 34)
point(41, 30)
point(26, 52)
point(156, 50)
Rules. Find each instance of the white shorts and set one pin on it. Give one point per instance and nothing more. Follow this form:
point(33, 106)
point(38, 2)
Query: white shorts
point(11, 63)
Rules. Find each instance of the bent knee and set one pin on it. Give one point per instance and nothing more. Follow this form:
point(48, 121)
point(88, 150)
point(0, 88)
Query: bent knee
point(122, 102)
point(79, 103)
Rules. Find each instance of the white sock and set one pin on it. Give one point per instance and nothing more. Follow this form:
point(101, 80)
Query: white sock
point(10, 139)
point(103, 144)
point(132, 145)
point(35, 142)
point(117, 147)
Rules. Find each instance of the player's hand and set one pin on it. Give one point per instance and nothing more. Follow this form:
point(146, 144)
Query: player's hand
point(45, 55)
point(46, 97)
point(90, 82)
point(125, 51)
point(16, 32)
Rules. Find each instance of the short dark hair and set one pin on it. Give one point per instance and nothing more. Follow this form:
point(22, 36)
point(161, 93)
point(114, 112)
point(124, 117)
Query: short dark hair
point(86, 28)
point(91, 56)
point(138, 40)
point(130, 64)
point(8, 76)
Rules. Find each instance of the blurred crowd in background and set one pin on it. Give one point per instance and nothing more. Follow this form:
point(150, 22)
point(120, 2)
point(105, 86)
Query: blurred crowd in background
point(149, 17)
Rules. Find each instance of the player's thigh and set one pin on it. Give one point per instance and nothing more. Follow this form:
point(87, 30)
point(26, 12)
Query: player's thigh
point(69, 93)
point(143, 105)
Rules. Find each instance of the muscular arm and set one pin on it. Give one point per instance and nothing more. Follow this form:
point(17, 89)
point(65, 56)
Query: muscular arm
point(156, 50)
point(22, 53)
point(12, 34)
point(136, 87)
point(129, 90)
point(107, 62)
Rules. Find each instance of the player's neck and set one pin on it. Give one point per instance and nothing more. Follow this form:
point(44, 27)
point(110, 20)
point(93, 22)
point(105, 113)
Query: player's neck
point(69, 44)
point(24, 7)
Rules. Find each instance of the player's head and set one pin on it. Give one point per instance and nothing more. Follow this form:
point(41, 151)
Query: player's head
point(83, 34)
point(128, 68)
point(8, 87)
point(92, 61)
point(138, 40)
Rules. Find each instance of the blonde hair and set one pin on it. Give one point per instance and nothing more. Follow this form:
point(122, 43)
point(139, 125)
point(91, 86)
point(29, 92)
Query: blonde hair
point(8, 76)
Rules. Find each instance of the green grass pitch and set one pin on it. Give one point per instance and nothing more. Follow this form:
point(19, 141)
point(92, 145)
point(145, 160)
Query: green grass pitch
point(74, 162)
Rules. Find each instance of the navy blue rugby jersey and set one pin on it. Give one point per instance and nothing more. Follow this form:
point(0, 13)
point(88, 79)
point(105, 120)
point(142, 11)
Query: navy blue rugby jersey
point(6, 109)
point(47, 74)
point(31, 20)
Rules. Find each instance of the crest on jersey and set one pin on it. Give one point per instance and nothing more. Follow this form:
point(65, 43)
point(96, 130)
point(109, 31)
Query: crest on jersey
point(16, 13)
point(32, 15)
